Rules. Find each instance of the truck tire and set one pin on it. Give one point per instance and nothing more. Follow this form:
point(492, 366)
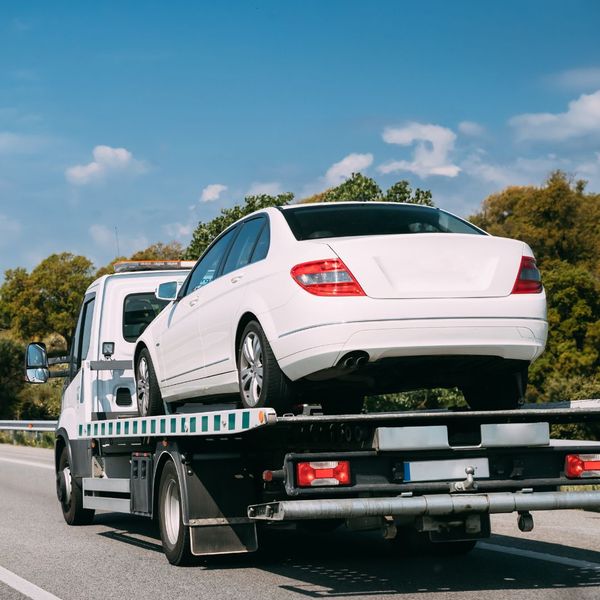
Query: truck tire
point(174, 534)
point(70, 493)
point(262, 383)
point(503, 392)
point(149, 398)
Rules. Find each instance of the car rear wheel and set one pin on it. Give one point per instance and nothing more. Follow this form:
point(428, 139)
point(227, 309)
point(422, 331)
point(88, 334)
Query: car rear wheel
point(262, 382)
point(503, 392)
point(149, 398)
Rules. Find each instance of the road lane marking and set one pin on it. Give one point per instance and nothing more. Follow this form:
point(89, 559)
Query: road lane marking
point(561, 560)
point(25, 587)
point(29, 463)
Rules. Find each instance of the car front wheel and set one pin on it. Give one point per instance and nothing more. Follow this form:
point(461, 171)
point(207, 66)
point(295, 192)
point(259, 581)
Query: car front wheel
point(262, 382)
point(502, 392)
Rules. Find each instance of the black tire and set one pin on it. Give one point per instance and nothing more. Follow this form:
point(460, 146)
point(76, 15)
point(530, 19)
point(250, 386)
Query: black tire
point(505, 392)
point(149, 398)
point(174, 534)
point(343, 404)
point(70, 493)
point(255, 358)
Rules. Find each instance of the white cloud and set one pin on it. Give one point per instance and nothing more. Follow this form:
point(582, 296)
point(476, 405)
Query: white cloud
point(212, 192)
point(430, 156)
point(470, 128)
point(178, 231)
point(106, 161)
point(582, 118)
point(353, 163)
point(16, 143)
point(271, 188)
point(521, 171)
point(584, 78)
point(9, 229)
point(102, 235)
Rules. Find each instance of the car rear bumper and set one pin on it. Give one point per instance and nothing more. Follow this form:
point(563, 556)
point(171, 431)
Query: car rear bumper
point(317, 347)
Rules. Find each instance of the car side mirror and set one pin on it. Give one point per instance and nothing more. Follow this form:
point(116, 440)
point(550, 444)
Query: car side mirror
point(36, 363)
point(168, 290)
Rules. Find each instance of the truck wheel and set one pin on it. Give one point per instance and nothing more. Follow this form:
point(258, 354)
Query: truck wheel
point(174, 534)
point(149, 398)
point(262, 382)
point(70, 494)
point(497, 393)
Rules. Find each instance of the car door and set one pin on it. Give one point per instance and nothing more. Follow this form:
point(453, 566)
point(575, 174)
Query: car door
point(222, 299)
point(181, 342)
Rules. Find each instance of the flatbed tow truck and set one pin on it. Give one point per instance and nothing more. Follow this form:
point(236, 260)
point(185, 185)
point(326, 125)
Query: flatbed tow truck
point(214, 476)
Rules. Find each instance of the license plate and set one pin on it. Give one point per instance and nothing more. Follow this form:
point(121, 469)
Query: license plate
point(445, 470)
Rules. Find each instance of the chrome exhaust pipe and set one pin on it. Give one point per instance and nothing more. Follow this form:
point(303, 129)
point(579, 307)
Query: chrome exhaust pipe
point(353, 360)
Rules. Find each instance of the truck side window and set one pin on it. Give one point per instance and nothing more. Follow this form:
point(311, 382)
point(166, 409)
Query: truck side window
point(139, 310)
point(83, 333)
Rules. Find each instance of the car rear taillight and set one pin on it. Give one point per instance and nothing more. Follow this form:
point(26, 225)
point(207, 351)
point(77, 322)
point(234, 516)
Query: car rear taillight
point(582, 465)
point(529, 280)
point(322, 473)
point(329, 277)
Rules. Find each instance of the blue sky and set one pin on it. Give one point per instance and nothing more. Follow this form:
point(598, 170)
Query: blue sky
point(150, 116)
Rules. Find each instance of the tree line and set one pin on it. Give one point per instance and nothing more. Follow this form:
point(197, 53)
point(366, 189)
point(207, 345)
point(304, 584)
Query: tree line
point(559, 220)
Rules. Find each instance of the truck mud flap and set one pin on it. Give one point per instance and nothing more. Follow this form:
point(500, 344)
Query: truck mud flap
point(434, 504)
point(227, 538)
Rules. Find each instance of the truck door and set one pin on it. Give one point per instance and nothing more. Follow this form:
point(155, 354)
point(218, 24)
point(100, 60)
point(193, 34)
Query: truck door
point(79, 387)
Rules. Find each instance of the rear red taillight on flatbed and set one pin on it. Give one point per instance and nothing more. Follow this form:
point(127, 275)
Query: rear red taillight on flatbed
point(330, 277)
point(529, 280)
point(582, 465)
point(323, 473)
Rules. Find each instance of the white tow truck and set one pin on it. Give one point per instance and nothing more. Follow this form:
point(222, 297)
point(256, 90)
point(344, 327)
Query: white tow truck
point(213, 474)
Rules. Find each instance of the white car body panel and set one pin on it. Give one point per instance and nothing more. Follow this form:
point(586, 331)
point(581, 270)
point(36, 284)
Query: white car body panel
point(452, 296)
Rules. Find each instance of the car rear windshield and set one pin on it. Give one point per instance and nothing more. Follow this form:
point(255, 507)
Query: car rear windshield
point(139, 310)
point(326, 221)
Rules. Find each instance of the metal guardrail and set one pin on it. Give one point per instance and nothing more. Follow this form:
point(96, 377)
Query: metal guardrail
point(35, 426)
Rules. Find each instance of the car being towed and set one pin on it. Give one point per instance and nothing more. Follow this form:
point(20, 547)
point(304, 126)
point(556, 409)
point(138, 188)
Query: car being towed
point(329, 303)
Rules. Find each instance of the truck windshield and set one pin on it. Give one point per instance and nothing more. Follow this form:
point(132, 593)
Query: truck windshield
point(330, 220)
point(139, 310)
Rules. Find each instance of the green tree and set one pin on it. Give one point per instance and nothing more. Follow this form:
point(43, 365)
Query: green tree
point(402, 192)
point(205, 233)
point(15, 284)
point(11, 376)
point(48, 299)
point(160, 251)
point(357, 187)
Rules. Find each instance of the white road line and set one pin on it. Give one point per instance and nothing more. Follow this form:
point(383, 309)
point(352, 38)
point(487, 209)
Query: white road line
point(25, 587)
point(561, 560)
point(29, 463)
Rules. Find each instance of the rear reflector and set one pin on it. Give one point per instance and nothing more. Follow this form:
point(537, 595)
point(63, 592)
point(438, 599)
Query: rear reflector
point(322, 473)
point(329, 277)
point(529, 280)
point(582, 465)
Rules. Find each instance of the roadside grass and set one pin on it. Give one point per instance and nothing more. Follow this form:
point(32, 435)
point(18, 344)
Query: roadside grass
point(26, 438)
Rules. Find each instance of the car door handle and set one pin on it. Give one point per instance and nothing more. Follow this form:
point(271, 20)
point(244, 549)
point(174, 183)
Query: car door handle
point(193, 302)
point(236, 278)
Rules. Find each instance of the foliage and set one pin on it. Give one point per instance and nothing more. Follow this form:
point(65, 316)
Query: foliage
point(402, 192)
point(415, 400)
point(11, 376)
point(562, 225)
point(48, 299)
point(205, 233)
point(357, 187)
point(158, 251)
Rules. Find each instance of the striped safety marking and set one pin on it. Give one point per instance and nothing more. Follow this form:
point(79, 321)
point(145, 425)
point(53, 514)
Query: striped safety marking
point(229, 422)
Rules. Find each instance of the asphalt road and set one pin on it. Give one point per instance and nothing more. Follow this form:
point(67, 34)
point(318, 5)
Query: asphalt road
point(120, 557)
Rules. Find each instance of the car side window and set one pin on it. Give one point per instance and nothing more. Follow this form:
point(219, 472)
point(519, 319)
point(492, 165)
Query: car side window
point(241, 252)
point(262, 246)
point(206, 270)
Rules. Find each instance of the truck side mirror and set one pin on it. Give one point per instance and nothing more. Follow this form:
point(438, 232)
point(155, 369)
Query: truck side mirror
point(167, 290)
point(36, 363)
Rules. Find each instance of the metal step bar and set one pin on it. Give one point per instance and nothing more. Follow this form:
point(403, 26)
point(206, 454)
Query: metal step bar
point(434, 505)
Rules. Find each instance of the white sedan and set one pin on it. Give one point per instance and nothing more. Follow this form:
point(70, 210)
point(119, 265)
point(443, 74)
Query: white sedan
point(329, 303)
